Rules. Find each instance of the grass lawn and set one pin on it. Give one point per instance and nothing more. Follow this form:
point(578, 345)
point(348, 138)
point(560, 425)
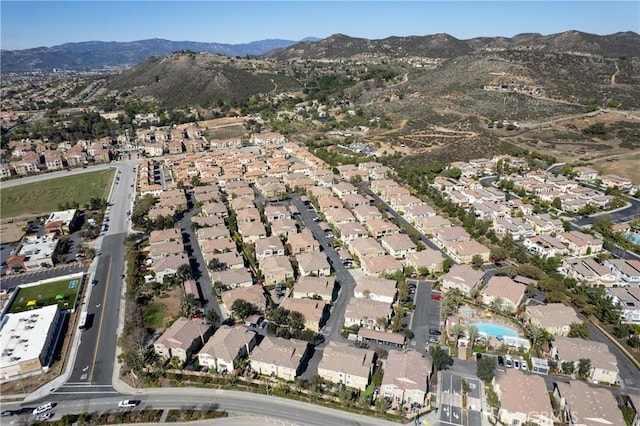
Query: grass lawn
point(45, 294)
point(153, 315)
point(44, 197)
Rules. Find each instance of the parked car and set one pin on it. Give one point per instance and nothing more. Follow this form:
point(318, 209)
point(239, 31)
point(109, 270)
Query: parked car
point(508, 361)
point(44, 416)
point(436, 297)
point(6, 413)
point(43, 408)
point(434, 339)
point(516, 364)
point(500, 360)
point(434, 331)
point(523, 365)
point(128, 403)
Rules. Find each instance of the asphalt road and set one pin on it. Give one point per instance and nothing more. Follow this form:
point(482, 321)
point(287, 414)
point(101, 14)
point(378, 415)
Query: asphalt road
point(197, 261)
point(93, 366)
point(402, 222)
point(12, 281)
point(291, 411)
point(334, 324)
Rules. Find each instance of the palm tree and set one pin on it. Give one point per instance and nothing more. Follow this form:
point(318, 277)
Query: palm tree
point(496, 304)
point(445, 311)
point(458, 330)
point(537, 335)
point(473, 334)
point(474, 293)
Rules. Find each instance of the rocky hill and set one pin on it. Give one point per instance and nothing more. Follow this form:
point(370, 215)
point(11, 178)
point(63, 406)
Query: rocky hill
point(184, 79)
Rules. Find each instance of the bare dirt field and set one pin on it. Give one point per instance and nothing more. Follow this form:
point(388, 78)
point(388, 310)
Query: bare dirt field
point(625, 166)
point(11, 228)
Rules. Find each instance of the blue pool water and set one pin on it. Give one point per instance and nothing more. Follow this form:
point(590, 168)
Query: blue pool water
point(495, 330)
point(634, 238)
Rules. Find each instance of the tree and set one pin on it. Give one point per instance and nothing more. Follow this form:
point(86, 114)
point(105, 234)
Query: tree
point(557, 203)
point(473, 334)
point(215, 264)
point(496, 304)
point(242, 309)
point(212, 317)
point(447, 264)
point(458, 330)
point(184, 272)
point(584, 368)
point(498, 254)
point(296, 320)
point(486, 369)
point(536, 334)
point(476, 261)
point(279, 316)
point(568, 367)
point(578, 330)
point(441, 359)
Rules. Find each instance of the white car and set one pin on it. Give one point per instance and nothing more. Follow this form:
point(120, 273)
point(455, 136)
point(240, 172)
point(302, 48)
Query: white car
point(44, 416)
point(42, 409)
point(128, 403)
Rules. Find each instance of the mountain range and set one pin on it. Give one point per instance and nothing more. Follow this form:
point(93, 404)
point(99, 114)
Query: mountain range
point(100, 54)
point(97, 54)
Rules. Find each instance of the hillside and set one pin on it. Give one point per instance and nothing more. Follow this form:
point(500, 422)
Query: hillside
point(446, 46)
point(183, 79)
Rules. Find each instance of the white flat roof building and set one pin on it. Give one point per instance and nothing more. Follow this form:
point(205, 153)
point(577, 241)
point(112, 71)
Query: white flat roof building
point(25, 339)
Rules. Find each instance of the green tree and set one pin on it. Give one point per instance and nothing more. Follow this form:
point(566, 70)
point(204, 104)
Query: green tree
point(476, 261)
point(242, 309)
point(212, 317)
point(557, 203)
point(473, 333)
point(567, 367)
point(447, 264)
point(486, 369)
point(458, 330)
point(441, 359)
point(579, 330)
point(498, 254)
point(536, 334)
point(295, 320)
point(584, 368)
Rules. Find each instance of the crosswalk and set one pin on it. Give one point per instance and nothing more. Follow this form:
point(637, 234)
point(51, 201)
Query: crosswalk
point(80, 388)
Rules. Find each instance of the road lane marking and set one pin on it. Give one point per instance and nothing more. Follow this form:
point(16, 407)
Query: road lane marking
point(104, 301)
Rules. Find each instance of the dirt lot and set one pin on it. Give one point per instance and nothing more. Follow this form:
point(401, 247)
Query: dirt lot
point(11, 228)
point(625, 166)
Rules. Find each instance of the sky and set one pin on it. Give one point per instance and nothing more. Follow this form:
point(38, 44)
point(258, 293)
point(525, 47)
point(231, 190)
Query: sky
point(26, 24)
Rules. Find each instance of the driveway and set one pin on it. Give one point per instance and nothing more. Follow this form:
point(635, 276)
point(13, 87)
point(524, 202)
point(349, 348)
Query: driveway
point(426, 314)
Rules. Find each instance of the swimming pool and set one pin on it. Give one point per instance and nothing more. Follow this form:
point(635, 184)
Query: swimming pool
point(495, 330)
point(634, 238)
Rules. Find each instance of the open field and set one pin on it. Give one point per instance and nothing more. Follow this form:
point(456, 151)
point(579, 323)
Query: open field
point(44, 197)
point(625, 166)
point(45, 294)
point(11, 229)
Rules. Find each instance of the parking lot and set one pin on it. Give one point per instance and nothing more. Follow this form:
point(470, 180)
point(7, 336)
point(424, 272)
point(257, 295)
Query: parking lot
point(451, 408)
point(12, 281)
point(426, 314)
